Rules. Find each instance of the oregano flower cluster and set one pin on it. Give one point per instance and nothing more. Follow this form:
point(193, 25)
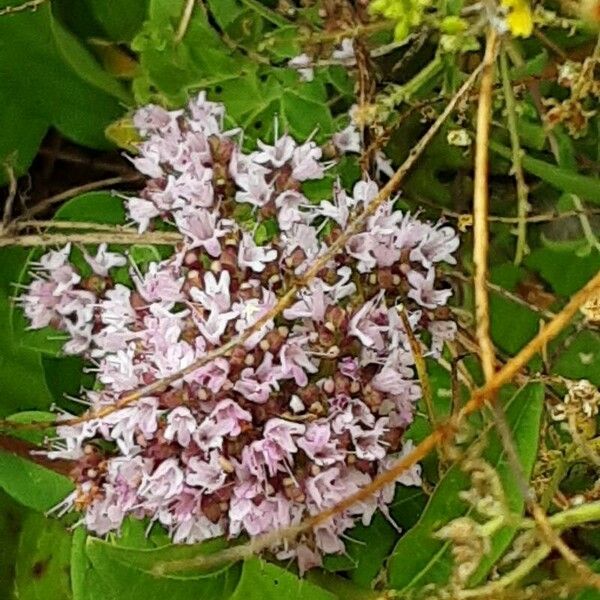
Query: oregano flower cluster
point(311, 407)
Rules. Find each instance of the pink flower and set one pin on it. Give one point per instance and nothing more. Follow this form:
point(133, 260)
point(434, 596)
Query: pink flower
point(295, 362)
point(255, 189)
point(154, 118)
point(288, 204)
point(116, 307)
point(230, 416)
point(203, 230)
point(305, 162)
point(367, 442)
point(319, 446)
point(212, 375)
point(282, 432)
point(423, 292)
point(361, 247)
point(104, 261)
point(252, 256)
point(441, 331)
point(166, 482)
point(214, 327)
point(215, 295)
point(142, 212)
point(181, 424)
point(302, 63)
point(208, 476)
point(364, 327)
point(159, 284)
point(252, 389)
point(347, 140)
point(277, 155)
point(311, 305)
point(439, 245)
point(364, 191)
point(250, 312)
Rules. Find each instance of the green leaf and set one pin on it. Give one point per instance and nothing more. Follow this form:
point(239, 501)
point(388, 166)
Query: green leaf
point(32, 485)
point(102, 570)
point(366, 550)
point(512, 325)
point(50, 79)
point(261, 580)
point(581, 358)
point(121, 21)
point(254, 95)
point(42, 568)
point(419, 558)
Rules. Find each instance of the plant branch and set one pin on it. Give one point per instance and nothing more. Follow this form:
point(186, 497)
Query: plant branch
point(522, 189)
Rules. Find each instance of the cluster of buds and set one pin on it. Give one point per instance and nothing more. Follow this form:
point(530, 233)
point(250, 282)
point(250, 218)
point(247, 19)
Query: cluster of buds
point(314, 403)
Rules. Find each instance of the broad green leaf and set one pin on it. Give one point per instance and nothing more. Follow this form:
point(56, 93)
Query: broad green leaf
point(419, 558)
point(261, 580)
point(102, 570)
point(17, 364)
point(32, 485)
point(49, 78)
point(42, 567)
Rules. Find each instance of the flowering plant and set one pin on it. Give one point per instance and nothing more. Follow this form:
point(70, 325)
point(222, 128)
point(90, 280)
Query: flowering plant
point(310, 407)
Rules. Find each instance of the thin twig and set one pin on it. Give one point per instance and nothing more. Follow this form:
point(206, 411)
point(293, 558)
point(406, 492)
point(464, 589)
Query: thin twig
point(480, 206)
point(165, 238)
point(41, 224)
point(421, 367)
point(184, 23)
point(517, 166)
point(31, 5)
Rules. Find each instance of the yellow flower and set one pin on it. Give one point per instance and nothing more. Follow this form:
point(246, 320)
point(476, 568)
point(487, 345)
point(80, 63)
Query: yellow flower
point(519, 18)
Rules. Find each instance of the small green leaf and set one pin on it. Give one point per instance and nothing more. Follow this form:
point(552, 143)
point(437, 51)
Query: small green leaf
point(42, 567)
point(419, 558)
